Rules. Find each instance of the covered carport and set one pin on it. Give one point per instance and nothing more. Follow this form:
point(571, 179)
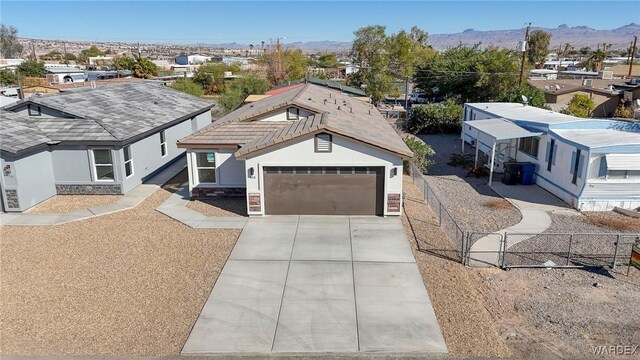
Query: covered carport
point(493, 132)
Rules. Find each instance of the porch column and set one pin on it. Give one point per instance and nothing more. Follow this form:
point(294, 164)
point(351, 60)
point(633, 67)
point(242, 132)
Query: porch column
point(462, 143)
point(493, 158)
point(477, 149)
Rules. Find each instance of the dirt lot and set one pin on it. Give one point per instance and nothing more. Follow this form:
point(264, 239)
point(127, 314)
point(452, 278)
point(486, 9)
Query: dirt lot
point(128, 283)
point(63, 204)
point(537, 313)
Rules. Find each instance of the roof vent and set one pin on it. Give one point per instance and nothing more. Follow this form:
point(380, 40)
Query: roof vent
point(351, 109)
point(338, 107)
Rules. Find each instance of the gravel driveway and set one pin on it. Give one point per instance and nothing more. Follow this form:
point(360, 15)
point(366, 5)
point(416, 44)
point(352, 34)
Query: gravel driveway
point(465, 197)
point(127, 283)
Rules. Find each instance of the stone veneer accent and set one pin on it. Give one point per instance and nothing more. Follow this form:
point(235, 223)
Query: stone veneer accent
point(393, 203)
point(12, 198)
point(98, 189)
point(254, 202)
point(219, 192)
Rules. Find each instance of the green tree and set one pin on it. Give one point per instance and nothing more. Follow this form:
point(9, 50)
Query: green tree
point(144, 68)
point(296, 64)
point(445, 117)
point(32, 68)
point(124, 62)
point(327, 61)
point(469, 74)
point(8, 77)
point(535, 97)
point(53, 55)
point(538, 47)
point(239, 89)
point(10, 47)
point(422, 154)
point(92, 51)
point(580, 105)
point(70, 57)
point(211, 76)
point(187, 86)
point(595, 61)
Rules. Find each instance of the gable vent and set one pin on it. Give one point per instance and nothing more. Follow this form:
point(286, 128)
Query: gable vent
point(323, 143)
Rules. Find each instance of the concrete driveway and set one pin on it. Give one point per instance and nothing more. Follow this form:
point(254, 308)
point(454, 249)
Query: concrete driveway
point(318, 284)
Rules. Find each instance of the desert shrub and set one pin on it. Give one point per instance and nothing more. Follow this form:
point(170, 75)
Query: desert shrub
point(441, 118)
point(464, 160)
point(422, 153)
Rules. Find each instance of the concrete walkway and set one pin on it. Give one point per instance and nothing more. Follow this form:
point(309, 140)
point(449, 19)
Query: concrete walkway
point(129, 200)
point(534, 204)
point(330, 284)
point(175, 208)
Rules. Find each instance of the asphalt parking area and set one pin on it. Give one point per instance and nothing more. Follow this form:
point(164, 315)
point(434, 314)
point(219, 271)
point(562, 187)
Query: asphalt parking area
point(318, 284)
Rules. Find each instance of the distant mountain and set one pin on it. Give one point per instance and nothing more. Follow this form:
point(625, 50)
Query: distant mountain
point(577, 36)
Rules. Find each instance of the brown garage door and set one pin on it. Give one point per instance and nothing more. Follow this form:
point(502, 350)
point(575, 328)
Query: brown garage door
point(323, 190)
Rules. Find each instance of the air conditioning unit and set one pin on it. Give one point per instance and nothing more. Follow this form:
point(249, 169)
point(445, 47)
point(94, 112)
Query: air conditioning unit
point(587, 82)
point(628, 96)
point(606, 75)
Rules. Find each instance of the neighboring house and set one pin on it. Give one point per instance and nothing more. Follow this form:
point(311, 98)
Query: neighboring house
point(591, 164)
point(67, 74)
point(308, 150)
point(606, 94)
point(106, 140)
point(336, 85)
point(192, 59)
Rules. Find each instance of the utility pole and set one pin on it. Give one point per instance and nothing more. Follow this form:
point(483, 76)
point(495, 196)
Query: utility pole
point(64, 49)
point(633, 54)
point(524, 54)
point(33, 51)
point(406, 90)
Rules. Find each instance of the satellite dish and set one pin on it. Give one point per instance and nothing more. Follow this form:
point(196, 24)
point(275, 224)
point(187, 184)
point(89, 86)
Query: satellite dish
point(557, 87)
point(525, 100)
point(546, 87)
point(638, 102)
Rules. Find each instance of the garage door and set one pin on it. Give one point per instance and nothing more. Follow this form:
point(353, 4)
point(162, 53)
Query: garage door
point(323, 190)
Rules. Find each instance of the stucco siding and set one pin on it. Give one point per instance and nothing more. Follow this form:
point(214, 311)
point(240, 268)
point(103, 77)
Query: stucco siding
point(71, 166)
point(345, 152)
point(31, 180)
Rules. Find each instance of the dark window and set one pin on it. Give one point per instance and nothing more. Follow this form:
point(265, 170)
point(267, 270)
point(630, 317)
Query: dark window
point(128, 161)
point(163, 144)
point(293, 113)
point(551, 154)
point(529, 146)
point(331, 170)
point(34, 110)
point(323, 143)
point(576, 167)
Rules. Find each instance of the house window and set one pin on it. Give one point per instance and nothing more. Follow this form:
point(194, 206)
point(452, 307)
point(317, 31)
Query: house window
point(128, 161)
point(293, 113)
point(323, 143)
point(529, 146)
point(552, 144)
point(576, 166)
point(102, 165)
point(206, 167)
point(623, 174)
point(34, 110)
point(163, 144)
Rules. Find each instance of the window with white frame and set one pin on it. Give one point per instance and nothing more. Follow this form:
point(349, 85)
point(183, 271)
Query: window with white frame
point(163, 144)
point(293, 113)
point(529, 146)
point(102, 165)
point(205, 164)
point(128, 161)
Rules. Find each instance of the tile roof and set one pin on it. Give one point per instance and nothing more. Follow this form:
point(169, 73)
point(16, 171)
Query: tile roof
point(334, 112)
point(17, 133)
point(124, 110)
point(111, 113)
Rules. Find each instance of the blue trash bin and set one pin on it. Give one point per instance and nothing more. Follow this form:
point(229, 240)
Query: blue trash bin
point(527, 172)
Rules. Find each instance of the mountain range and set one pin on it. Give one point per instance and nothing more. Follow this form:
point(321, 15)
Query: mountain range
point(577, 36)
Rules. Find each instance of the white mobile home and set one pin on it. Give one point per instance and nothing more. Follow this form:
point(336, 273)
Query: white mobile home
point(591, 164)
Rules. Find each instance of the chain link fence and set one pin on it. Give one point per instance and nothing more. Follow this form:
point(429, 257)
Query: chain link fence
point(546, 250)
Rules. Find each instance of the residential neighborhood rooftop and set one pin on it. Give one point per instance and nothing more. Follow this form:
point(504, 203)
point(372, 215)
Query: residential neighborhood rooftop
point(110, 113)
point(332, 111)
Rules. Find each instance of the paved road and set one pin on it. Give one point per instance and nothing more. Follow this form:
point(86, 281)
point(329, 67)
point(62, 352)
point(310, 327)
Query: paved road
point(318, 284)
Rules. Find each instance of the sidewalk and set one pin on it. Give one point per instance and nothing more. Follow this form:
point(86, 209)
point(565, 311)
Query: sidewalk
point(128, 201)
point(534, 203)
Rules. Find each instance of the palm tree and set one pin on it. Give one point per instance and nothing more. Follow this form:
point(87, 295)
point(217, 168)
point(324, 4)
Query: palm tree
point(596, 60)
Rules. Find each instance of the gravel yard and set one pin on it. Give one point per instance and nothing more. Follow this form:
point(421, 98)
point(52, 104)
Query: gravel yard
point(230, 206)
point(127, 283)
point(63, 204)
point(546, 314)
point(587, 248)
point(467, 326)
point(468, 199)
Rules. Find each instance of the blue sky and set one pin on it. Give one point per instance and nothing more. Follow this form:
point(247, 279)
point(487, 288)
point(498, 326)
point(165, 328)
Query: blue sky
point(251, 22)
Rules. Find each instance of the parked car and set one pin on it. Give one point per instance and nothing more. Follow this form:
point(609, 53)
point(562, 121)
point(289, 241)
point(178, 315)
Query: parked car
point(418, 98)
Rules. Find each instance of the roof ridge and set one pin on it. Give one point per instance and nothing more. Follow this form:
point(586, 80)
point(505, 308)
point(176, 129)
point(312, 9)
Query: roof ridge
point(104, 127)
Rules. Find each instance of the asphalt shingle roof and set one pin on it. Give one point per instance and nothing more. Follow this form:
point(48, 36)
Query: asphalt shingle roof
point(334, 112)
point(112, 112)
